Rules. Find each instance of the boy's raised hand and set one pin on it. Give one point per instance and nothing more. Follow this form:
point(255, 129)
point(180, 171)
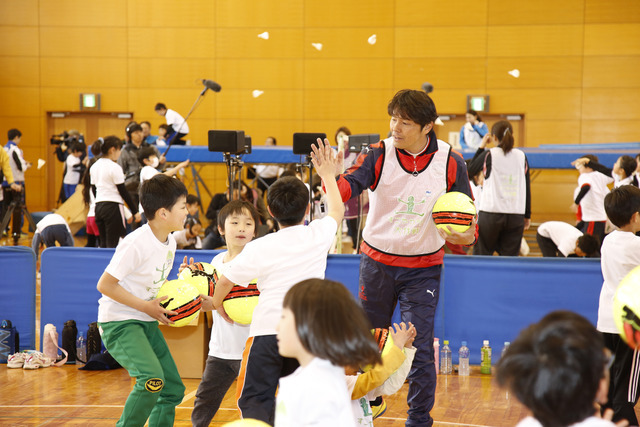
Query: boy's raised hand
point(327, 163)
point(184, 264)
point(403, 335)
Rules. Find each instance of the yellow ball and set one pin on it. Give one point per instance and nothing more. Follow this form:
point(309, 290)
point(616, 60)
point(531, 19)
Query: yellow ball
point(247, 422)
point(183, 298)
point(626, 308)
point(240, 303)
point(202, 275)
point(385, 343)
point(454, 209)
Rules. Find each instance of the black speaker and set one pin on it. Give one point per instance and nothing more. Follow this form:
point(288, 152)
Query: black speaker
point(227, 141)
point(362, 140)
point(247, 145)
point(302, 142)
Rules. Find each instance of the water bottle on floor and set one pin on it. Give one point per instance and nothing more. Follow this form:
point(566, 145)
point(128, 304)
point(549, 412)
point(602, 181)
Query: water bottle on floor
point(81, 349)
point(445, 359)
point(505, 348)
point(463, 360)
point(436, 354)
point(485, 358)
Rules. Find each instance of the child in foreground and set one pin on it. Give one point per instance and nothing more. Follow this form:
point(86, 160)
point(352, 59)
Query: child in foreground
point(324, 328)
point(129, 311)
point(559, 369)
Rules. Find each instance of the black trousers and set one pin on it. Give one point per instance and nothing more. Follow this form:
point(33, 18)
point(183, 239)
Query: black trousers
point(498, 232)
point(623, 381)
point(218, 376)
point(547, 247)
point(110, 222)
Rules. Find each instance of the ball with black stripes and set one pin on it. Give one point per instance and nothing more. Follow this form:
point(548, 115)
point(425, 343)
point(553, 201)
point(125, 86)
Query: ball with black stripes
point(454, 209)
point(183, 298)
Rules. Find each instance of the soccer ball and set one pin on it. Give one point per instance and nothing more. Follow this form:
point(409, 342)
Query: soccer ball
point(454, 209)
point(626, 308)
point(183, 298)
point(385, 343)
point(240, 303)
point(202, 275)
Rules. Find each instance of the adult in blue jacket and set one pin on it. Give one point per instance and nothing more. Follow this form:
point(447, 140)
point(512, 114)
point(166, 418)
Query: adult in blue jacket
point(473, 131)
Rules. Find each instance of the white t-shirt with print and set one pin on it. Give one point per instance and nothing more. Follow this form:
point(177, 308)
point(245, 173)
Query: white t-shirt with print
point(620, 254)
point(106, 175)
point(141, 264)
point(147, 172)
point(227, 340)
point(279, 261)
point(314, 395)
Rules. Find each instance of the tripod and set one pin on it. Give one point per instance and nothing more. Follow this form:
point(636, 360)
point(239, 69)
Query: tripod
point(16, 208)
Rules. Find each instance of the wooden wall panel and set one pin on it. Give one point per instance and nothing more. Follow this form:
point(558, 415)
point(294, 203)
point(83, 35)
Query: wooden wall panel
point(505, 12)
point(611, 11)
point(260, 74)
point(259, 130)
point(348, 74)
point(169, 13)
point(330, 104)
point(266, 14)
point(84, 72)
point(19, 13)
point(433, 13)
point(442, 73)
point(65, 42)
point(343, 14)
point(549, 104)
point(552, 132)
point(611, 71)
point(173, 43)
point(19, 41)
point(275, 104)
point(536, 40)
point(143, 101)
point(349, 43)
point(171, 73)
point(598, 131)
point(560, 184)
point(71, 13)
point(612, 39)
point(244, 43)
point(542, 72)
point(455, 100)
point(440, 42)
point(24, 102)
point(68, 98)
point(23, 71)
point(611, 104)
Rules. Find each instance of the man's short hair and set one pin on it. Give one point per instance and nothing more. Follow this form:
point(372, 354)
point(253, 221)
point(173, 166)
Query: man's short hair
point(590, 245)
point(13, 134)
point(191, 199)
point(414, 105)
point(160, 106)
point(161, 191)
point(288, 199)
point(554, 368)
point(131, 128)
point(145, 153)
point(621, 203)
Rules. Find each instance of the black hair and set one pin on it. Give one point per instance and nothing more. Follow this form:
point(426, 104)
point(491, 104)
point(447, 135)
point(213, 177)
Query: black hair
point(414, 105)
point(13, 133)
point(78, 146)
point(236, 207)
point(554, 367)
point(96, 147)
point(190, 223)
point(165, 126)
point(474, 167)
point(590, 245)
point(628, 164)
point(274, 140)
point(159, 192)
point(288, 199)
point(330, 324)
point(160, 106)
point(503, 132)
point(475, 114)
point(109, 142)
point(145, 153)
point(191, 199)
point(131, 128)
point(621, 203)
point(86, 179)
point(591, 157)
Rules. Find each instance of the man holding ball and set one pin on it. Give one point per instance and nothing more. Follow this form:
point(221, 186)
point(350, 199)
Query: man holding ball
point(402, 250)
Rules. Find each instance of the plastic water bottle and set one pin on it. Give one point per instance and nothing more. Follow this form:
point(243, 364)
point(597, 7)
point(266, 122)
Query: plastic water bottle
point(445, 359)
point(463, 360)
point(485, 358)
point(505, 348)
point(436, 354)
point(81, 349)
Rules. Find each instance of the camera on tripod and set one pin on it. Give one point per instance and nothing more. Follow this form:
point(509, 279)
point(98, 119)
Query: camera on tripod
point(66, 138)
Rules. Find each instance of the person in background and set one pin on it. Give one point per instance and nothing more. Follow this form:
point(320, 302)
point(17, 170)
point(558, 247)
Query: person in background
point(193, 206)
point(623, 171)
point(18, 167)
point(50, 230)
point(267, 174)
point(74, 167)
point(557, 238)
point(189, 237)
point(163, 130)
point(178, 126)
point(472, 131)
point(146, 133)
point(590, 199)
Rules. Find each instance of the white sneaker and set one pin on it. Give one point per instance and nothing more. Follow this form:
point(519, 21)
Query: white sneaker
point(37, 360)
point(16, 360)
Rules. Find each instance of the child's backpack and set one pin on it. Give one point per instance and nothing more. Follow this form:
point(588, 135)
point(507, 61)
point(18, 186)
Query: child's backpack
point(94, 341)
point(9, 340)
point(50, 345)
point(69, 336)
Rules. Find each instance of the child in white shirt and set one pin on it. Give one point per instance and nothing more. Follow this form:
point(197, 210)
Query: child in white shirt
point(590, 198)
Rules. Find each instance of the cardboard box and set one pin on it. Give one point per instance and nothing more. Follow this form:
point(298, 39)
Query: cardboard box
point(189, 346)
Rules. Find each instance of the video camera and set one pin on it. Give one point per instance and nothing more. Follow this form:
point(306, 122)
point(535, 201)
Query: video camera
point(65, 138)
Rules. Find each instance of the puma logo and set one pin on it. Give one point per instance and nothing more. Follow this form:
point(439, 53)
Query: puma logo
point(433, 293)
point(154, 385)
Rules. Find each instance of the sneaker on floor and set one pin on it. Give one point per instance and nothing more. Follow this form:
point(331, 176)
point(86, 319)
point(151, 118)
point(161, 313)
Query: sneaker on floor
point(16, 360)
point(378, 410)
point(37, 360)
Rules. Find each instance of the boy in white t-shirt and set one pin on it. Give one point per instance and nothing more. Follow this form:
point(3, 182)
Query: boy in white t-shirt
point(557, 238)
point(280, 260)
point(74, 168)
point(50, 230)
point(237, 224)
point(590, 198)
point(129, 311)
point(620, 254)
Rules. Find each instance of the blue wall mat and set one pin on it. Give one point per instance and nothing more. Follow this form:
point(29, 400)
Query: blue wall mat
point(18, 291)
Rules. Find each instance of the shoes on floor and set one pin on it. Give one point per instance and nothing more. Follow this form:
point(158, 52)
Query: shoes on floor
point(16, 360)
point(378, 410)
point(37, 360)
